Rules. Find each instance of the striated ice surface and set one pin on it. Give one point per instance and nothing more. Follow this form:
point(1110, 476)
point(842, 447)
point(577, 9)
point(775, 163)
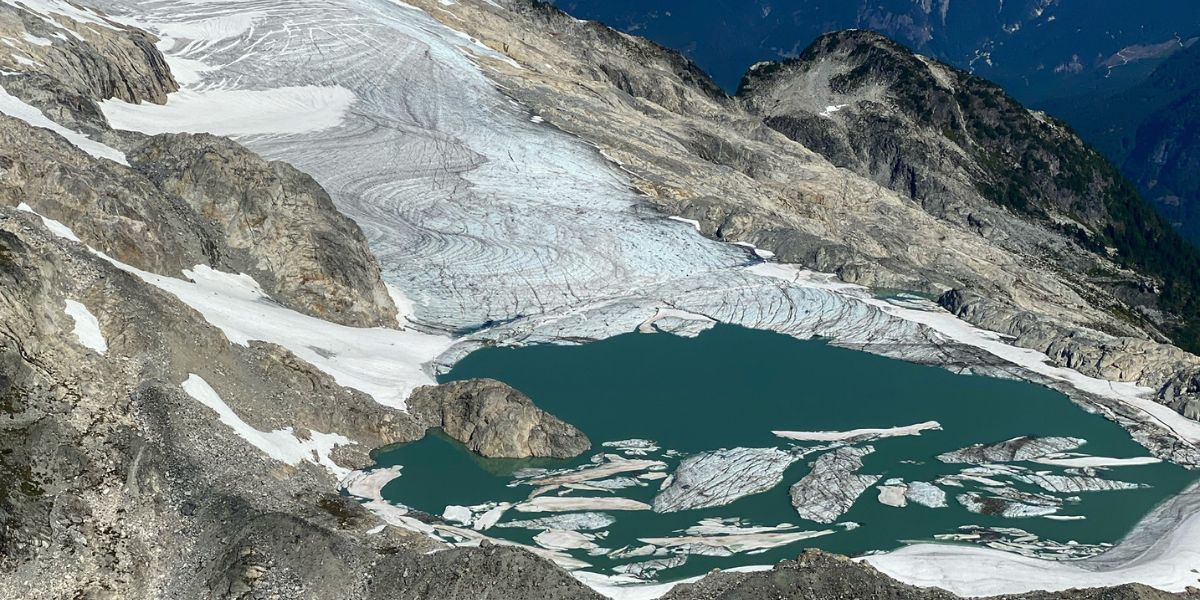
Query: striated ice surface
point(586, 521)
point(1006, 507)
point(733, 543)
point(1014, 450)
point(1074, 483)
point(719, 477)
point(832, 487)
point(649, 569)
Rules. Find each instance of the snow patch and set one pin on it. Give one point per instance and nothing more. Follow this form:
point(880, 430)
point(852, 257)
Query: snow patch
point(87, 328)
point(278, 111)
point(281, 445)
point(14, 107)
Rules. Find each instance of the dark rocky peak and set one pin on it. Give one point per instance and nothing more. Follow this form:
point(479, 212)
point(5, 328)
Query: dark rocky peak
point(621, 59)
point(969, 153)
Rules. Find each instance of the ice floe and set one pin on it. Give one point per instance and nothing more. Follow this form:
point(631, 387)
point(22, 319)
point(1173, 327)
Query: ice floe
point(649, 569)
point(832, 487)
point(585, 521)
point(858, 435)
point(612, 465)
point(1014, 450)
point(732, 543)
point(720, 477)
point(563, 539)
point(576, 503)
point(893, 495)
point(1095, 461)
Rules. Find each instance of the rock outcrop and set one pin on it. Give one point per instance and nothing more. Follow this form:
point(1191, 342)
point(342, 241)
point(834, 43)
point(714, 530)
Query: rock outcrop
point(309, 256)
point(65, 59)
point(816, 575)
point(715, 160)
point(495, 420)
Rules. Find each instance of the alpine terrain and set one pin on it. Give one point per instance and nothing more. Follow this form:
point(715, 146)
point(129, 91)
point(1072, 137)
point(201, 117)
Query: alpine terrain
point(244, 244)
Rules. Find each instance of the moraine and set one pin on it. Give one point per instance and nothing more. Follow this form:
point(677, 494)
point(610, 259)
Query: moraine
point(731, 388)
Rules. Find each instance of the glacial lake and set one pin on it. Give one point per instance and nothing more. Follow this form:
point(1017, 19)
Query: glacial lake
point(731, 387)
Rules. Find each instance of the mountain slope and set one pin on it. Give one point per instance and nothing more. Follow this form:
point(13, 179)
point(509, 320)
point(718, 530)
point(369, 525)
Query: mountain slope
point(953, 142)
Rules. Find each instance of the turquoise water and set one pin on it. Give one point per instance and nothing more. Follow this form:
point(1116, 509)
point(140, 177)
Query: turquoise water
point(731, 387)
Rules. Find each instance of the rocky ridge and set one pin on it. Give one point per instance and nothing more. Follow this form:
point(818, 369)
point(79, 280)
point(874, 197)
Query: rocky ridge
point(705, 157)
point(163, 215)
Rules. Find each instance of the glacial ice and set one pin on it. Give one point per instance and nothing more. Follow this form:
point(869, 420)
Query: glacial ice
point(832, 487)
point(720, 477)
point(926, 494)
point(586, 521)
point(858, 435)
point(575, 503)
point(1014, 450)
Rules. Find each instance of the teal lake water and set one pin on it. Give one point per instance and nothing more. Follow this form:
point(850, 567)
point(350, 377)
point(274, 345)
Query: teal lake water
point(732, 387)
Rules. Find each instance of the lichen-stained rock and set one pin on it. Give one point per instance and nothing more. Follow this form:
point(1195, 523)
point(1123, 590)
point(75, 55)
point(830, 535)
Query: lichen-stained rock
point(832, 487)
point(107, 205)
point(495, 420)
point(317, 258)
point(1014, 450)
point(720, 477)
point(89, 57)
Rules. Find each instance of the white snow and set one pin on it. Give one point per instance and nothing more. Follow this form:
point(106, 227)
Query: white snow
point(48, 9)
point(624, 587)
point(369, 484)
point(858, 434)
point(281, 445)
point(458, 514)
point(1096, 461)
point(285, 110)
point(87, 328)
point(55, 227)
point(384, 363)
point(694, 223)
point(832, 108)
point(14, 107)
point(737, 542)
point(570, 504)
point(976, 571)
